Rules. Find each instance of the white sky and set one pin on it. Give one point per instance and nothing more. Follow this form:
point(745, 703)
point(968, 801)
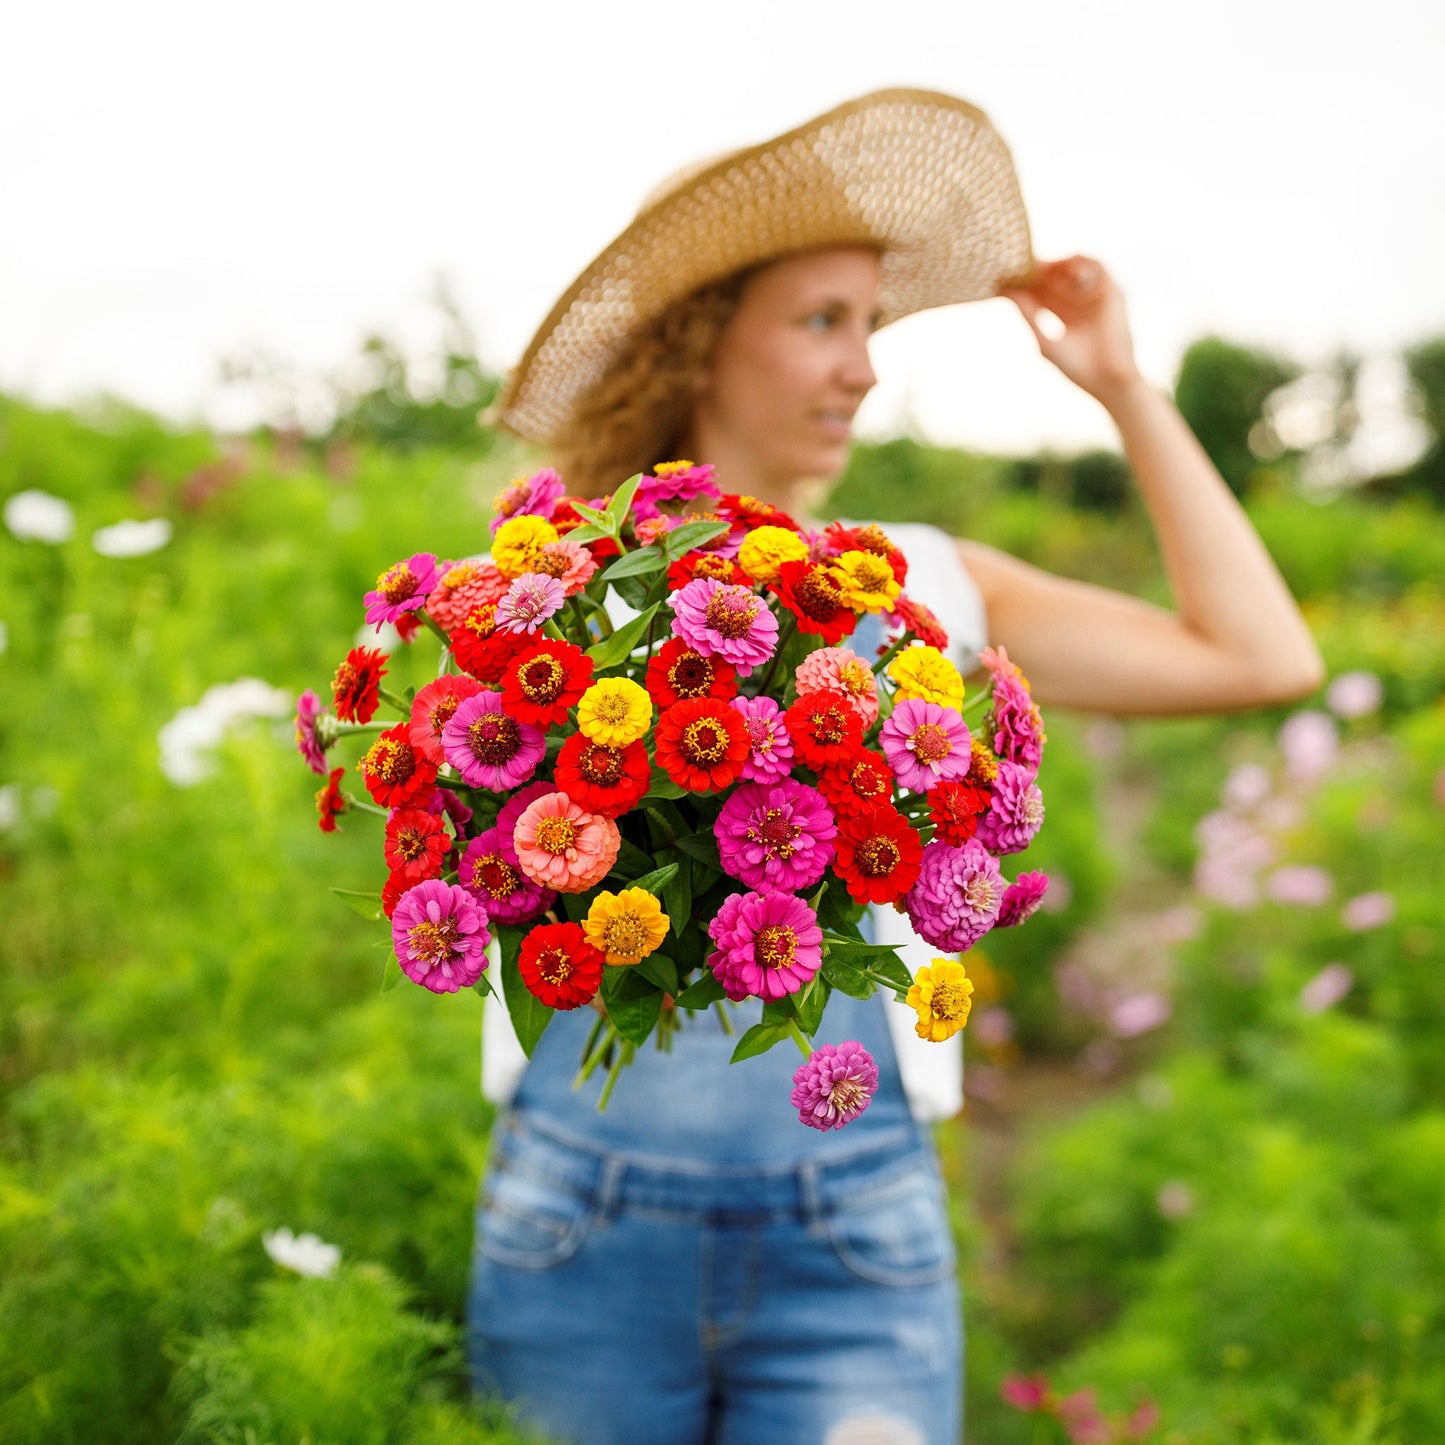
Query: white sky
point(184, 181)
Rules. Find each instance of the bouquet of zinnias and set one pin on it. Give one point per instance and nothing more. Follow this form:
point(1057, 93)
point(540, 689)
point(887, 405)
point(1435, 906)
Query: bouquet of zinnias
point(652, 770)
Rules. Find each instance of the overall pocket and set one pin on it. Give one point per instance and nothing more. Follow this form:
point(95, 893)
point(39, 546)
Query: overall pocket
point(896, 1233)
point(528, 1217)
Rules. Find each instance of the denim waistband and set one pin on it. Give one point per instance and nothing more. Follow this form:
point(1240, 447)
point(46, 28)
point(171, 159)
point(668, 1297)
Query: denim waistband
point(714, 1192)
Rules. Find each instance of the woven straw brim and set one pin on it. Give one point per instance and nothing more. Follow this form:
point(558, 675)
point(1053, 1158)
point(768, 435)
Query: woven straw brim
point(920, 175)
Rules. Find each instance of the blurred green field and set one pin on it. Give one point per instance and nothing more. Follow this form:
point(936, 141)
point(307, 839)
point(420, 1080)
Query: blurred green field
point(1235, 1211)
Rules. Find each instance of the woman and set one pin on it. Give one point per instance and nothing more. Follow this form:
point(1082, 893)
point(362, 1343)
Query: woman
point(692, 1265)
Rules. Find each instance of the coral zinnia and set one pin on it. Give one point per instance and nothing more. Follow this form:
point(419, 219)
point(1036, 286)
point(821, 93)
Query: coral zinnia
point(416, 844)
point(440, 935)
point(943, 995)
point(559, 966)
point(433, 708)
point(626, 927)
point(815, 597)
point(835, 1085)
point(926, 744)
point(604, 780)
point(769, 944)
point(719, 620)
point(459, 589)
point(776, 835)
point(542, 683)
point(824, 727)
point(676, 671)
point(615, 711)
point(490, 871)
point(878, 855)
point(842, 670)
point(702, 744)
point(396, 775)
point(356, 685)
point(563, 846)
point(770, 755)
point(402, 588)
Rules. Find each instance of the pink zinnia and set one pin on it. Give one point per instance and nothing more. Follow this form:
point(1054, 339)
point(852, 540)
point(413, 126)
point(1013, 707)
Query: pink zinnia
point(776, 835)
point(402, 588)
point(534, 496)
point(529, 602)
point(460, 587)
point(435, 706)
point(1017, 730)
point(926, 744)
point(440, 935)
point(772, 749)
point(1022, 898)
point(769, 944)
point(308, 709)
point(840, 669)
point(958, 895)
point(685, 484)
point(835, 1085)
point(562, 846)
point(489, 748)
point(489, 870)
point(721, 619)
point(1015, 811)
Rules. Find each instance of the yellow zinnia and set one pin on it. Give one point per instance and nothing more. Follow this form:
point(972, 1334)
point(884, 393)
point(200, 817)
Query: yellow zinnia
point(614, 712)
point(924, 674)
point(867, 581)
point(625, 927)
point(943, 996)
point(517, 547)
point(765, 549)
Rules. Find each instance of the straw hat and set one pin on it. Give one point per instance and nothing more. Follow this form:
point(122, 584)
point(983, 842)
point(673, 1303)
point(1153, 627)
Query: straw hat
point(923, 176)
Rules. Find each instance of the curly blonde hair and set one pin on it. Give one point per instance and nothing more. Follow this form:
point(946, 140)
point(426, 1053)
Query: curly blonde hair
point(638, 414)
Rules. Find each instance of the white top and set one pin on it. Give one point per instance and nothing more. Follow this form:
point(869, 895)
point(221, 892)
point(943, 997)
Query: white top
point(932, 1073)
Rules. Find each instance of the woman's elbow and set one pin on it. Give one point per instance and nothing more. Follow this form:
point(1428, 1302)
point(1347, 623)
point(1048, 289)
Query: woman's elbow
point(1290, 680)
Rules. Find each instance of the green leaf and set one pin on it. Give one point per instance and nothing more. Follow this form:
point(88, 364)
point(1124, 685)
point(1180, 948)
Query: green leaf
point(758, 1040)
point(677, 899)
point(633, 1001)
point(655, 881)
point(701, 993)
point(846, 978)
point(632, 861)
point(621, 502)
point(895, 971)
point(588, 533)
point(662, 788)
point(612, 650)
point(703, 847)
point(692, 534)
point(391, 974)
point(808, 1004)
point(596, 515)
point(368, 905)
point(662, 971)
point(530, 1016)
point(636, 564)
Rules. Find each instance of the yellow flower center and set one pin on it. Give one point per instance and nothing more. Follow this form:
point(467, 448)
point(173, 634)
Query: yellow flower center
point(703, 741)
point(397, 583)
point(542, 679)
point(433, 943)
point(854, 678)
point(625, 935)
point(494, 876)
point(929, 743)
point(731, 610)
point(775, 946)
point(950, 1001)
point(556, 835)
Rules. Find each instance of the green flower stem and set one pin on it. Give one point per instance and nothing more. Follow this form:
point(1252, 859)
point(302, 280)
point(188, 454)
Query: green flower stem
point(435, 626)
point(976, 704)
point(666, 827)
point(392, 700)
point(892, 652)
point(723, 1019)
point(346, 729)
point(352, 801)
point(613, 1074)
point(800, 1038)
point(598, 1051)
point(550, 629)
point(578, 613)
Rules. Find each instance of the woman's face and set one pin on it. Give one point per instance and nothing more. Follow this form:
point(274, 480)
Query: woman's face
point(776, 404)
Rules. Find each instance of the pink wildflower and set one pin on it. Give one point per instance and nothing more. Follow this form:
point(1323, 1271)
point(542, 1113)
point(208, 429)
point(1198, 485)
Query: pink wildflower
point(769, 944)
point(1326, 988)
point(673, 484)
point(440, 935)
point(723, 620)
point(835, 1085)
point(1368, 910)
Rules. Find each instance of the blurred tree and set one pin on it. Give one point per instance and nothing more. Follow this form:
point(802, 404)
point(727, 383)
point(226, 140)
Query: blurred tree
point(1100, 481)
point(1221, 391)
point(1426, 477)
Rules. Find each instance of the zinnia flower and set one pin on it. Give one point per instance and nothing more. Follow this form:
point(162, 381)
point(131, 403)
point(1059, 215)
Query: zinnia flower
point(615, 711)
point(559, 966)
point(677, 482)
point(765, 549)
point(1016, 730)
point(835, 1085)
point(1014, 812)
point(924, 673)
point(490, 872)
point(562, 846)
point(1022, 898)
point(957, 897)
point(433, 708)
point(534, 496)
point(776, 835)
point(878, 855)
point(356, 685)
point(518, 543)
point(825, 728)
point(489, 748)
point(395, 773)
point(718, 620)
point(769, 944)
point(440, 935)
point(943, 997)
point(868, 538)
point(308, 710)
point(770, 755)
point(926, 744)
point(604, 780)
point(858, 782)
point(416, 844)
point(331, 802)
point(542, 683)
point(702, 744)
point(626, 927)
point(840, 669)
point(816, 599)
point(483, 649)
point(676, 671)
point(954, 809)
point(529, 602)
point(569, 562)
point(704, 564)
point(402, 588)
point(867, 582)
point(460, 588)
point(914, 617)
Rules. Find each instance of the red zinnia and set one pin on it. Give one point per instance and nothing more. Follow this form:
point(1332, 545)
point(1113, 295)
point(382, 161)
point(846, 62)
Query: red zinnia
point(559, 966)
point(331, 801)
point(432, 709)
point(954, 808)
point(541, 683)
point(356, 687)
point(416, 844)
point(824, 728)
point(918, 619)
point(869, 538)
point(858, 783)
point(745, 513)
point(706, 564)
point(407, 625)
point(815, 599)
point(603, 780)
point(481, 647)
point(396, 774)
point(391, 894)
point(878, 855)
point(702, 744)
point(676, 672)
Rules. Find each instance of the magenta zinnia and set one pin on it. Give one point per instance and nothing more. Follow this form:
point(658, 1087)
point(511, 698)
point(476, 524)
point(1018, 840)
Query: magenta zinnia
point(957, 897)
point(490, 749)
point(1022, 898)
point(534, 496)
point(440, 935)
point(401, 588)
point(490, 872)
point(771, 757)
point(776, 835)
point(723, 620)
point(1015, 811)
point(926, 744)
point(835, 1085)
point(308, 710)
point(769, 944)
point(1015, 729)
